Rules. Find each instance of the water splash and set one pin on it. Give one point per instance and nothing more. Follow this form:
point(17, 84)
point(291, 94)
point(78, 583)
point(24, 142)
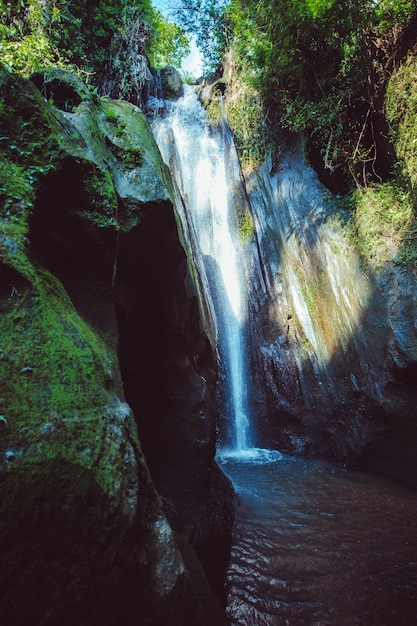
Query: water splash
point(206, 171)
point(257, 456)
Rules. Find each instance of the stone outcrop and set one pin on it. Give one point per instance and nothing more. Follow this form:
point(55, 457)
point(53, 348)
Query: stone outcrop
point(86, 219)
point(335, 342)
point(171, 83)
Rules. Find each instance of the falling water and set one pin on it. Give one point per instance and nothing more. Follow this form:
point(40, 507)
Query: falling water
point(206, 171)
point(311, 544)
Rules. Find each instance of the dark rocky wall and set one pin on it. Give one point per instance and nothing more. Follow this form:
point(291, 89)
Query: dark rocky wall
point(334, 341)
point(169, 373)
point(84, 535)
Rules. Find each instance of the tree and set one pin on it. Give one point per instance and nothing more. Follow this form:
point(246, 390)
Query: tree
point(85, 33)
point(106, 41)
point(169, 43)
point(322, 66)
point(205, 19)
point(25, 45)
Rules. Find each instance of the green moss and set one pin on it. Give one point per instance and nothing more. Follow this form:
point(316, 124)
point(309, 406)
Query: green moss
point(56, 376)
point(56, 393)
point(303, 342)
point(244, 222)
point(53, 361)
point(107, 140)
point(400, 108)
point(127, 127)
point(309, 292)
point(130, 158)
point(15, 187)
point(384, 225)
point(215, 111)
point(31, 132)
point(61, 366)
point(247, 120)
point(101, 208)
point(62, 87)
point(30, 148)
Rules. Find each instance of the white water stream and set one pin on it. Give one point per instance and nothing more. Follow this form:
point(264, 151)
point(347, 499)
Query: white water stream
point(205, 169)
point(312, 544)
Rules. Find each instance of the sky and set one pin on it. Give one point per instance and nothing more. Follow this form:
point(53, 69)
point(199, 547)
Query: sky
point(193, 63)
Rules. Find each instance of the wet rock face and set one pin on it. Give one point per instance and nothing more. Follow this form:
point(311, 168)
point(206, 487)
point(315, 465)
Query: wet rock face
point(84, 538)
point(169, 373)
point(172, 87)
point(334, 344)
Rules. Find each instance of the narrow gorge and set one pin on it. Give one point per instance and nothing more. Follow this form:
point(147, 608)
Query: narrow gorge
point(208, 401)
point(328, 351)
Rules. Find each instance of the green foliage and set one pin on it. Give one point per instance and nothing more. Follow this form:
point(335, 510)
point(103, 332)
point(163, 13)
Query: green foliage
point(318, 8)
point(105, 41)
point(400, 108)
point(215, 111)
point(92, 33)
point(27, 55)
point(244, 223)
point(206, 20)
point(26, 35)
point(14, 186)
point(384, 226)
point(389, 13)
point(169, 43)
point(320, 66)
point(130, 158)
point(247, 119)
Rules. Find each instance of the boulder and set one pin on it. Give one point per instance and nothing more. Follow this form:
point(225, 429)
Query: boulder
point(172, 87)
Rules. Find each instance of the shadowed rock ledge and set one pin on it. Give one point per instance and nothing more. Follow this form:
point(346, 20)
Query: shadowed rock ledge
point(86, 528)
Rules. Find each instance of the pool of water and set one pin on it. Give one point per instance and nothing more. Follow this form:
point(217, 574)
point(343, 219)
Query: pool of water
point(315, 545)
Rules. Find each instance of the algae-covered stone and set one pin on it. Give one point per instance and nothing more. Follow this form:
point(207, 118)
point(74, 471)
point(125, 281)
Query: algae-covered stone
point(83, 539)
point(61, 88)
point(78, 510)
point(172, 86)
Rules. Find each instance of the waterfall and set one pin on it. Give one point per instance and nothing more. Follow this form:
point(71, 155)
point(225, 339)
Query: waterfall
point(206, 171)
point(296, 375)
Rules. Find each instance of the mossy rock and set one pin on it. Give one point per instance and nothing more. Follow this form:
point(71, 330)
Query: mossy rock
point(172, 86)
point(61, 88)
point(82, 535)
point(111, 138)
point(72, 476)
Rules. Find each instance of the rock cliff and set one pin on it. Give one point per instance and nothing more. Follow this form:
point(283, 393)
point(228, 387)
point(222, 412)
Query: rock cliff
point(96, 320)
point(335, 339)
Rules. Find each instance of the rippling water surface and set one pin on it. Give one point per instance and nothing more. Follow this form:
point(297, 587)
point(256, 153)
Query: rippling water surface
point(317, 546)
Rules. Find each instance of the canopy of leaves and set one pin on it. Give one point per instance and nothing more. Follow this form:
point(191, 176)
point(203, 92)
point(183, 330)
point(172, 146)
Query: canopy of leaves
point(322, 66)
point(106, 40)
point(205, 19)
point(169, 44)
point(84, 32)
